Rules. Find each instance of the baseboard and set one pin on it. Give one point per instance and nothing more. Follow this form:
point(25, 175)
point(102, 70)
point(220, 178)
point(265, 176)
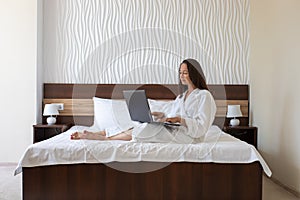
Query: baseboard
point(294, 192)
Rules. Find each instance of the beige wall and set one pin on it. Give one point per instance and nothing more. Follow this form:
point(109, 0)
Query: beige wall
point(275, 85)
point(17, 76)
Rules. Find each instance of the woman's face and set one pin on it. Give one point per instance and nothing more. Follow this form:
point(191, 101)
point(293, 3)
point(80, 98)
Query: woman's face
point(184, 74)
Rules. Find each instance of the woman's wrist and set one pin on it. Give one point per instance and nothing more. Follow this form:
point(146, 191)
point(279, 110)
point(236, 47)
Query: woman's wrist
point(182, 122)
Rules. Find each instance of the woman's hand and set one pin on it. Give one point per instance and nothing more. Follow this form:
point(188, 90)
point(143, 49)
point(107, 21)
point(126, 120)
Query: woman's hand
point(173, 119)
point(177, 119)
point(158, 116)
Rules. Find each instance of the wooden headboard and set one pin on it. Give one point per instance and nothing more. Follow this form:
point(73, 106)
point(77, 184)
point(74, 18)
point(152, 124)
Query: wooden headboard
point(79, 110)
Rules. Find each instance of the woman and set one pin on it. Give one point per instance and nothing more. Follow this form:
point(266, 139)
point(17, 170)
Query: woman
point(194, 109)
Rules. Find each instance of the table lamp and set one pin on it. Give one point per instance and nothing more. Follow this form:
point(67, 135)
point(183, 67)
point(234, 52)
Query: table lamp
point(234, 111)
point(50, 110)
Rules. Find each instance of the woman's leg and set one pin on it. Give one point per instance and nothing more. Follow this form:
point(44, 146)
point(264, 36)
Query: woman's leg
point(89, 135)
point(101, 135)
point(125, 135)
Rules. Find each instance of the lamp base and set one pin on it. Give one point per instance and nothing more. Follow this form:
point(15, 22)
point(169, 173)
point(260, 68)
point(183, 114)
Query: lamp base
point(51, 120)
point(234, 122)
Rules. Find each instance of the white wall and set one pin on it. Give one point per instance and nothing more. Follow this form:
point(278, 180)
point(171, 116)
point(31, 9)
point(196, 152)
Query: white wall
point(17, 76)
point(113, 41)
point(275, 85)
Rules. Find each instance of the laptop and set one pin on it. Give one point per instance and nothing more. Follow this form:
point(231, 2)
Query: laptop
point(138, 107)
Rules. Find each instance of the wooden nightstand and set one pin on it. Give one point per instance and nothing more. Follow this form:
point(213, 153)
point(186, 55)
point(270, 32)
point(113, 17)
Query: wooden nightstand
point(244, 133)
point(45, 131)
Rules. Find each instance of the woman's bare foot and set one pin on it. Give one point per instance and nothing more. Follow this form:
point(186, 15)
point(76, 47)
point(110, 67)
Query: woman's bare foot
point(101, 135)
point(80, 135)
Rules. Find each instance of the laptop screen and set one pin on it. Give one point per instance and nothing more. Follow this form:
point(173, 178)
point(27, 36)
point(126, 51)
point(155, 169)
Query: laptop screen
point(138, 106)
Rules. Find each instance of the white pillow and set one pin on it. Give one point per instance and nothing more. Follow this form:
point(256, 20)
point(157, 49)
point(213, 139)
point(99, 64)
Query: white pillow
point(164, 106)
point(111, 115)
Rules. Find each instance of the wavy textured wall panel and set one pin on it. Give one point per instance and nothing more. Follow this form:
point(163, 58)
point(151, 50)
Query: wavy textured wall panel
point(113, 41)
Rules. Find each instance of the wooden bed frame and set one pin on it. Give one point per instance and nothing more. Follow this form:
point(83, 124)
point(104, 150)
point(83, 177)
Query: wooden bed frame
point(184, 180)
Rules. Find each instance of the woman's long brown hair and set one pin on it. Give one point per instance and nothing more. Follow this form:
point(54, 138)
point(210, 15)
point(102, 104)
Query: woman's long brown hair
point(196, 75)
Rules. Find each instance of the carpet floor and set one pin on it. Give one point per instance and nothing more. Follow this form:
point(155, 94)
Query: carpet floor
point(10, 185)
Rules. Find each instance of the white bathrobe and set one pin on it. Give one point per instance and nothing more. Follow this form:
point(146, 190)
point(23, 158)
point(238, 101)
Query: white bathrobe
point(198, 110)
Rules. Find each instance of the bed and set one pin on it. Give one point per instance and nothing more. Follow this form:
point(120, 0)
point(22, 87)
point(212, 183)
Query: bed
point(196, 174)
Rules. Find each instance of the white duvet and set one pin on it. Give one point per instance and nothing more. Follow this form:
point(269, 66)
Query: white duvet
point(217, 147)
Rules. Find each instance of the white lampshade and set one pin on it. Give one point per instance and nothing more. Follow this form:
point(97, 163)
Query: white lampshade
point(50, 109)
point(234, 111)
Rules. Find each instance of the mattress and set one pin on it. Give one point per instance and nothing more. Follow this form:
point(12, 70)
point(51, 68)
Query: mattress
point(215, 147)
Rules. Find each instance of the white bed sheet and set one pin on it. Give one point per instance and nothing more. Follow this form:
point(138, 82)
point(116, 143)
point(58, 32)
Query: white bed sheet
point(217, 147)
